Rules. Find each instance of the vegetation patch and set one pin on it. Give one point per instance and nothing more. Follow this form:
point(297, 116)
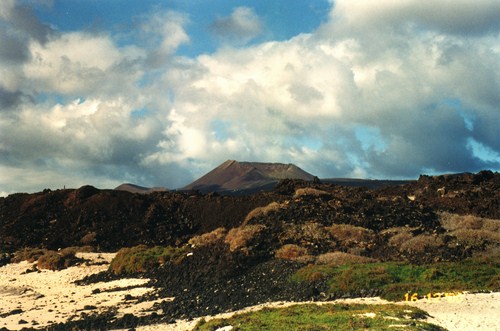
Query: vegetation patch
point(263, 211)
point(241, 237)
point(471, 231)
point(293, 252)
point(309, 191)
point(326, 317)
point(349, 235)
point(28, 254)
point(421, 243)
point(49, 259)
point(142, 258)
point(393, 279)
point(340, 258)
point(208, 238)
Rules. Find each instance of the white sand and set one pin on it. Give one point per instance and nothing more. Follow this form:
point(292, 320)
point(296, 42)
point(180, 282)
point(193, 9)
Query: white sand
point(466, 312)
point(51, 297)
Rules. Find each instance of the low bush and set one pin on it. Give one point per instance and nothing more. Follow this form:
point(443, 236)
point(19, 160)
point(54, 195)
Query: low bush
point(28, 254)
point(309, 191)
point(48, 259)
point(51, 260)
point(453, 222)
point(208, 238)
point(421, 243)
point(398, 235)
point(340, 258)
point(263, 211)
point(471, 231)
point(293, 252)
point(89, 238)
point(141, 258)
point(314, 232)
point(476, 238)
point(350, 235)
point(241, 237)
point(311, 235)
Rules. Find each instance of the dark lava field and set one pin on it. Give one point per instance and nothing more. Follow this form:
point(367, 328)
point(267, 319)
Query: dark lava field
point(244, 249)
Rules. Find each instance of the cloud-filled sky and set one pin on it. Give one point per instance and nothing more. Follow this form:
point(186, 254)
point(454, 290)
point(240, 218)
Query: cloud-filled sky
point(157, 93)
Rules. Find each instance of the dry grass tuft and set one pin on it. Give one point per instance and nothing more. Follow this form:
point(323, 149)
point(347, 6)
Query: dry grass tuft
point(421, 243)
point(240, 237)
point(28, 254)
point(208, 238)
point(476, 238)
point(51, 260)
point(293, 252)
point(263, 211)
point(453, 222)
point(400, 238)
point(350, 235)
point(314, 232)
point(308, 191)
point(89, 238)
point(340, 258)
point(470, 230)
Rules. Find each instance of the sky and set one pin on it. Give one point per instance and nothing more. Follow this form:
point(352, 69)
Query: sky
point(158, 93)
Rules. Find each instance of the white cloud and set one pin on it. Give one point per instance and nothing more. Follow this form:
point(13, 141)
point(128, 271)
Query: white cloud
point(461, 17)
point(241, 26)
point(81, 63)
point(421, 87)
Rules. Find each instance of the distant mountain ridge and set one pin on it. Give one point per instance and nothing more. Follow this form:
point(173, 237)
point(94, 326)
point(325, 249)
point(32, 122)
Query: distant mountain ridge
point(246, 177)
point(132, 188)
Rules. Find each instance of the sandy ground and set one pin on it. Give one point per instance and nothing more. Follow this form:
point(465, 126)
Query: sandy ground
point(464, 312)
point(46, 297)
point(51, 297)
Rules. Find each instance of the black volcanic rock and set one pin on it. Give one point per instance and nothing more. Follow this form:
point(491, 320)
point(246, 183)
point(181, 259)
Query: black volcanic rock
point(111, 219)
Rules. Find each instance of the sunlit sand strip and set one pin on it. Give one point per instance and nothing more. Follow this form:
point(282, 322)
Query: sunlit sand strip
point(51, 297)
point(474, 312)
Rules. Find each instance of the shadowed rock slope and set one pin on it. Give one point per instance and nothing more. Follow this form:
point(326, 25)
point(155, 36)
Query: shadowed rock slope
point(111, 219)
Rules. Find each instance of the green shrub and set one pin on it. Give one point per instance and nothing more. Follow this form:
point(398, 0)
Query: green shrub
point(141, 258)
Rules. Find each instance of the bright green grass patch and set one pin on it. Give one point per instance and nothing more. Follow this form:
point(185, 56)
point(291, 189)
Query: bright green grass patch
point(326, 317)
point(141, 258)
point(395, 279)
